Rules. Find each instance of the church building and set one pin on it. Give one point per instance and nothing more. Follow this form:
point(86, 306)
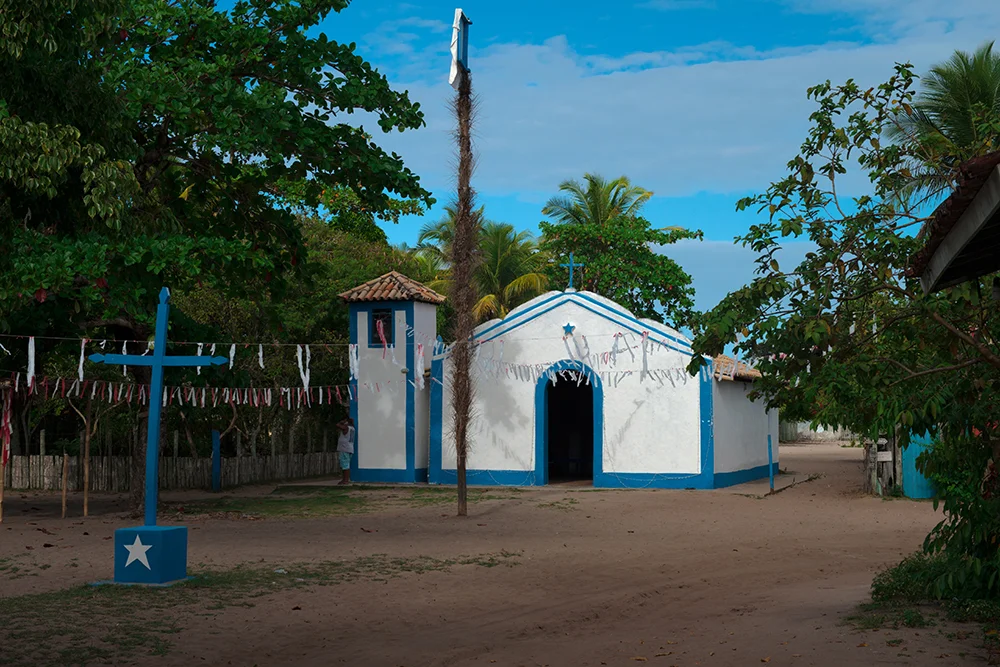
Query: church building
point(568, 386)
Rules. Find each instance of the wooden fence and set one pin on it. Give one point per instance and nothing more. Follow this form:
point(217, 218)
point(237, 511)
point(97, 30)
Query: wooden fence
point(112, 473)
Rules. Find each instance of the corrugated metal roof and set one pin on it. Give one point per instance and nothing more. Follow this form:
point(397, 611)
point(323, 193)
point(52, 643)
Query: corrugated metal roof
point(392, 286)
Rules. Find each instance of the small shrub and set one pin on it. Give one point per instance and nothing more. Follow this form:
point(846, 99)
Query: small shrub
point(910, 581)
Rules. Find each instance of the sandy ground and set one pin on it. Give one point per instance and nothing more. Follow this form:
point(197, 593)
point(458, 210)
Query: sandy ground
point(621, 577)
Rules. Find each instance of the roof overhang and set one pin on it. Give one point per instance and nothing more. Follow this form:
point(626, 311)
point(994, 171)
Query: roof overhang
point(972, 248)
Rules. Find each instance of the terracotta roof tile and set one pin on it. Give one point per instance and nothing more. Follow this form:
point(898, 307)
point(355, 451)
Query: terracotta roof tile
point(727, 368)
point(393, 286)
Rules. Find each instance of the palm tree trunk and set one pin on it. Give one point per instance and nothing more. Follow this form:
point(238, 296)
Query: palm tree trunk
point(463, 262)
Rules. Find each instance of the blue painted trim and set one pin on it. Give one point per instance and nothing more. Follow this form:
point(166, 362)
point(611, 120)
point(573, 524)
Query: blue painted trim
point(437, 422)
point(723, 479)
point(706, 404)
point(420, 475)
point(542, 419)
point(645, 480)
point(624, 325)
point(393, 475)
point(411, 408)
point(352, 403)
point(361, 474)
point(489, 477)
point(511, 323)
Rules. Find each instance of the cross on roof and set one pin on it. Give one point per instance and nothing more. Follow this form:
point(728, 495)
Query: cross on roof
point(571, 265)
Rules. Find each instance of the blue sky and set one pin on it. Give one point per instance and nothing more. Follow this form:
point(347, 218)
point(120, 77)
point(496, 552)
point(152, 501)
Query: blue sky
point(700, 101)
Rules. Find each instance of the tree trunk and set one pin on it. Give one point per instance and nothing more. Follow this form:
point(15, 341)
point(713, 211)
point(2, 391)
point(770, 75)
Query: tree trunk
point(463, 262)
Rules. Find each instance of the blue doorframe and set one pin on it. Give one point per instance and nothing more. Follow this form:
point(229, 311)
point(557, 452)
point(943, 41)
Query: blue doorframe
point(542, 418)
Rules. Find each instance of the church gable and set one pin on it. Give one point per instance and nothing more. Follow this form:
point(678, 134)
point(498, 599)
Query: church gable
point(602, 317)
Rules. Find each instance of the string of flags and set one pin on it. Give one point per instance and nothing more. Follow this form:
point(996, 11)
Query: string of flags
point(206, 396)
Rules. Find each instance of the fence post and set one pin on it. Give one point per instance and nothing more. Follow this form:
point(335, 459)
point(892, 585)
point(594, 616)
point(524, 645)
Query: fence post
point(216, 461)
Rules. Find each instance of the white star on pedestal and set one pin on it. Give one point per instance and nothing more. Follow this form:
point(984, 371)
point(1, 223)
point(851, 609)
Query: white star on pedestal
point(137, 552)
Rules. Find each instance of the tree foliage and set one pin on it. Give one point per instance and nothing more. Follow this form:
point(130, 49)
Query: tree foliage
point(148, 143)
point(621, 263)
point(847, 337)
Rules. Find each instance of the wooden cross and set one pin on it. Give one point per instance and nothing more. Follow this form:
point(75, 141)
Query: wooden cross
point(157, 361)
point(571, 265)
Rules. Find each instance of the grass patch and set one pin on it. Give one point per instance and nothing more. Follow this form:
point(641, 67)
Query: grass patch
point(120, 624)
point(566, 504)
point(308, 502)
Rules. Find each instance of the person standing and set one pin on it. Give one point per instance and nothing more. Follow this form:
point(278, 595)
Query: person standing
point(345, 448)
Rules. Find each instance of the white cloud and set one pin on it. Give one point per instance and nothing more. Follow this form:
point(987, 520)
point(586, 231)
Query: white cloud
point(714, 117)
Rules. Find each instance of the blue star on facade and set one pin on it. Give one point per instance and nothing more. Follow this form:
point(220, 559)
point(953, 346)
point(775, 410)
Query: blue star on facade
point(568, 329)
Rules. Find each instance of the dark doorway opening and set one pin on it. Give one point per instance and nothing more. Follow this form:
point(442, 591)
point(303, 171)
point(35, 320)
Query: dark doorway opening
point(570, 436)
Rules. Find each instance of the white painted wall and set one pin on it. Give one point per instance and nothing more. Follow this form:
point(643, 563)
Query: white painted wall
point(382, 414)
point(425, 325)
point(649, 426)
point(741, 427)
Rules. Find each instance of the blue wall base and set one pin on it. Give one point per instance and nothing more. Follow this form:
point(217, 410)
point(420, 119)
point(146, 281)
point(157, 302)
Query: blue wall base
point(605, 480)
point(388, 475)
point(151, 555)
point(724, 479)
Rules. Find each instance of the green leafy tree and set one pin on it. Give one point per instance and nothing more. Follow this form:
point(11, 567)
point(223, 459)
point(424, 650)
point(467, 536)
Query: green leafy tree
point(848, 335)
point(145, 143)
point(621, 263)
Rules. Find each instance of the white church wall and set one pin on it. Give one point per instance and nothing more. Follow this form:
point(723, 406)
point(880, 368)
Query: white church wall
point(425, 327)
point(741, 427)
point(650, 425)
point(381, 413)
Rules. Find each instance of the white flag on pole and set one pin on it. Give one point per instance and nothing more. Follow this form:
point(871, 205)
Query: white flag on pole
point(459, 47)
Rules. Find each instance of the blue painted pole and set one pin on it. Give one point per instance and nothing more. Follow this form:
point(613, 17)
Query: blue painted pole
point(770, 462)
point(155, 405)
point(216, 461)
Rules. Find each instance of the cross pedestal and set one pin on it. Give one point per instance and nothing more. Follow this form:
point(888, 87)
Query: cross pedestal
point(152, 554)
point(155, 555)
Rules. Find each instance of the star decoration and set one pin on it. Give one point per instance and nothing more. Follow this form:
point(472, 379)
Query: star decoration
point(137, 552)
point(568, 329)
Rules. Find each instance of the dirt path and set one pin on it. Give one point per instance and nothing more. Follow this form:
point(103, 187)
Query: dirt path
point(603, 578)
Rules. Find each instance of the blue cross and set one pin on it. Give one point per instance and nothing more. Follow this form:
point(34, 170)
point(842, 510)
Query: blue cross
point(157, 362)
point(571, 265)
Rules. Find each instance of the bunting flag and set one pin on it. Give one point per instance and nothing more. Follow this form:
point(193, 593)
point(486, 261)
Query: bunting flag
point(31, 362)
point(201, 347)
point(124, 352)
point(6, 427)
point(232, 355)
point(354, 360)
point(419, 370)
point(380, 328)
point(83, 348)
point(260, 356)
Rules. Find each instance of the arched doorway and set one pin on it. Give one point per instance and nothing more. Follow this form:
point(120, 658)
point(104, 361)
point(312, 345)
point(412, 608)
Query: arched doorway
point(569, 423)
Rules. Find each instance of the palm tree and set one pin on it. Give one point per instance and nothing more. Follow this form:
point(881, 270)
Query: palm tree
point(597, 202)
point(437, 237)
point(511, 270)
point(958, 98)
